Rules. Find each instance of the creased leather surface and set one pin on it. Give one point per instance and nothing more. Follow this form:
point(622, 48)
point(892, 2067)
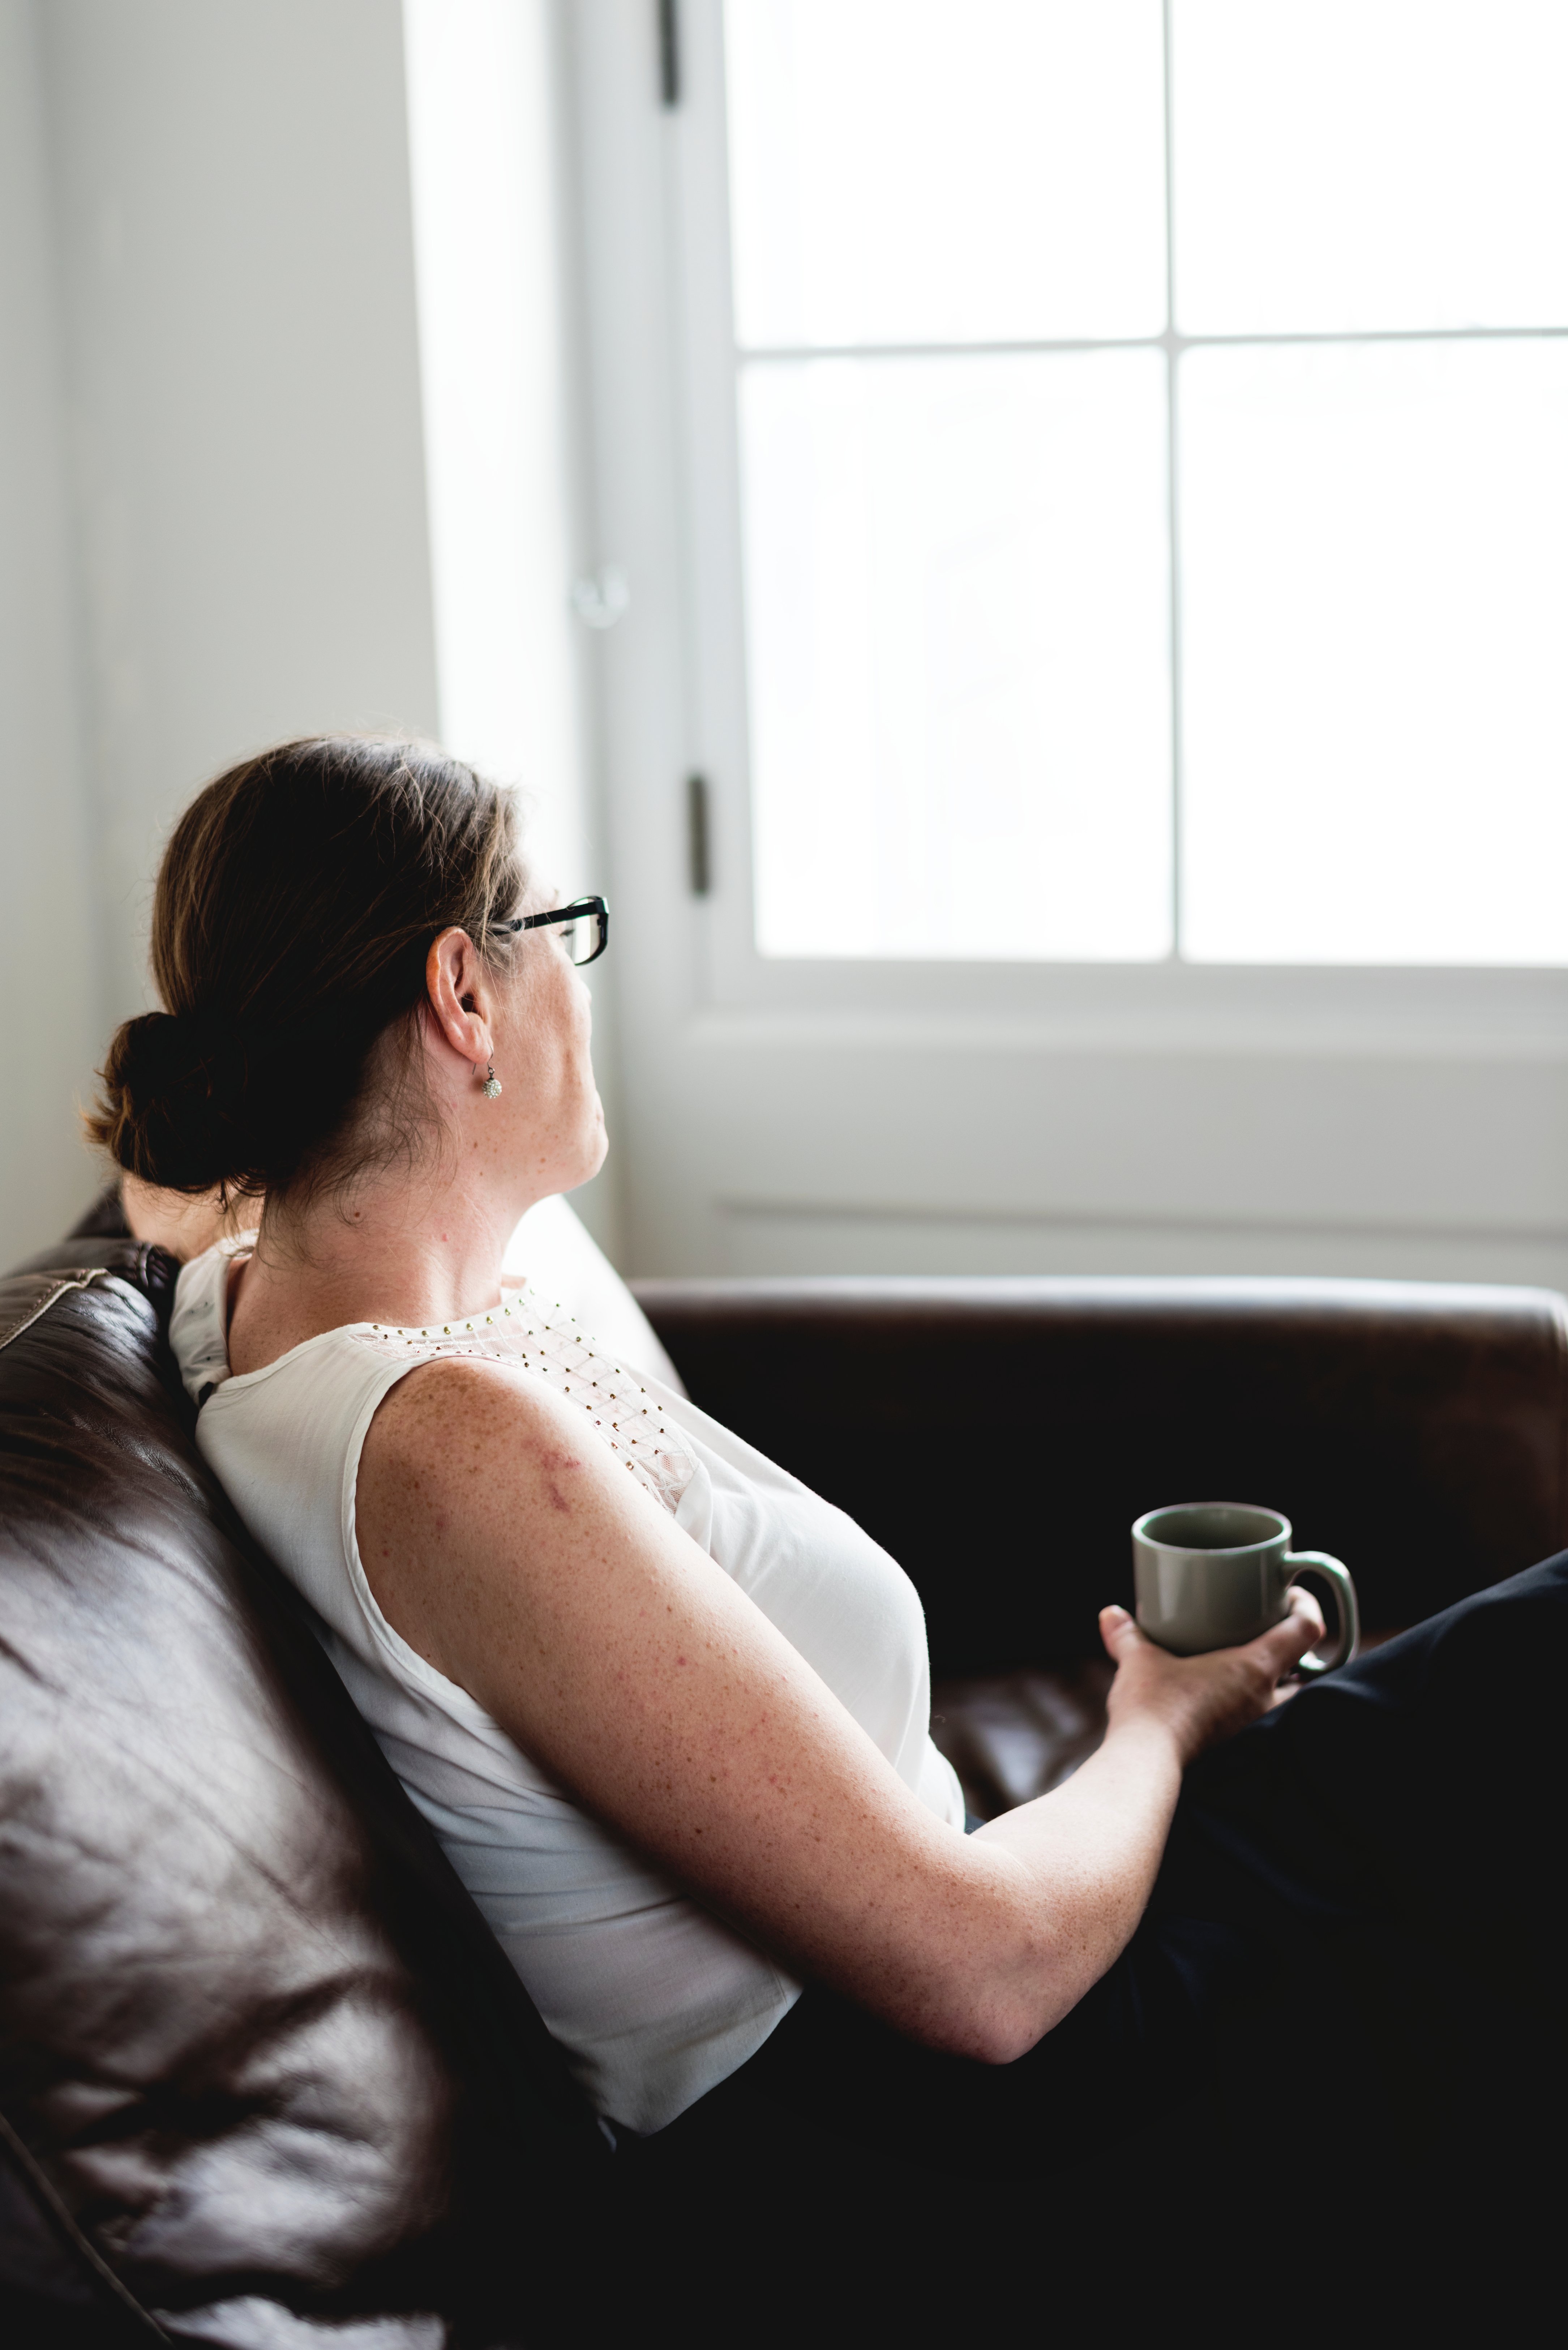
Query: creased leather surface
point(251, 2031)
point(28, 1298)
point(1000, 1436)
point(1014, 1736)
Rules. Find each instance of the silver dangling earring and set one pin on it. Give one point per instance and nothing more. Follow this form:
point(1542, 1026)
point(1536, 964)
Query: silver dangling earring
point(492, 1086)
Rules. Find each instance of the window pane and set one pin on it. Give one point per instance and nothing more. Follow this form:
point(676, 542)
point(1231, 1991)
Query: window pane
point(1375, 560)
point(956, 577)
point(911, 170)
point(1355, 165)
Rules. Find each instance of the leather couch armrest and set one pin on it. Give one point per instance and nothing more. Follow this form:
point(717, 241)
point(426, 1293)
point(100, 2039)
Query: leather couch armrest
point(998, 1435)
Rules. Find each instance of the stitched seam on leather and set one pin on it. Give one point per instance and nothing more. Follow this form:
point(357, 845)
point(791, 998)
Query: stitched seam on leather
point(81, 1278)
point(44, 2188)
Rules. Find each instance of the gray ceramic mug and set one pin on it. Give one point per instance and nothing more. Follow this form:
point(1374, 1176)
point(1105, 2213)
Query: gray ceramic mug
point(1211, 1574)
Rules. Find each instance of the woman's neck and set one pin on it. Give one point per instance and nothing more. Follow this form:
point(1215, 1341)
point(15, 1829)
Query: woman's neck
point(408, 1254)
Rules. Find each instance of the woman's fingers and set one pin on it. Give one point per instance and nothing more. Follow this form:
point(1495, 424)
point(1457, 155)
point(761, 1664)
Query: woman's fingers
point(1211, 1695)
point(1288, 1641)
point(1285, 1644)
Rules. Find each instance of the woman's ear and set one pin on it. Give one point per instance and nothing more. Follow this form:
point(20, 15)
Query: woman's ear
point(458, 991)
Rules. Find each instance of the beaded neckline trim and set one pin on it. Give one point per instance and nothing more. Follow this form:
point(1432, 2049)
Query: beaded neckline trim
point(548, 1344)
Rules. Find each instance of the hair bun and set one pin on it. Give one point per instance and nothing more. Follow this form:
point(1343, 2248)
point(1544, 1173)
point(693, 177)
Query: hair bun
point(296, 906)
point(175, 1092)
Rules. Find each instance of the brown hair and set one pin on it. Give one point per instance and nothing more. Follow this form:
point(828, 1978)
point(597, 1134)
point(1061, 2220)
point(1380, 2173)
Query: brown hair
point(296, 906)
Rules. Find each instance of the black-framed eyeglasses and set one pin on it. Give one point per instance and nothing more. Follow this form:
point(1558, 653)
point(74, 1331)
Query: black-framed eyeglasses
point(585, 927)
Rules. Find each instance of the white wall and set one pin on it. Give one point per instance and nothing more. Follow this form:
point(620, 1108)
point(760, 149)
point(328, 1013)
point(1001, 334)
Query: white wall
point(235, 258)
point(48, 926)
point(215, 526)
point(486, 244)
point(492, 231)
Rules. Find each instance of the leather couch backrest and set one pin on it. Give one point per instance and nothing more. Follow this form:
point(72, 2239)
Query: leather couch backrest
point(1000, 1436)
point(257, 2051)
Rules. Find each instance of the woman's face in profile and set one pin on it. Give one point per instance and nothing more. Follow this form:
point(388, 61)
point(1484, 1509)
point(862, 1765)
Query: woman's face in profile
point(546, 1121)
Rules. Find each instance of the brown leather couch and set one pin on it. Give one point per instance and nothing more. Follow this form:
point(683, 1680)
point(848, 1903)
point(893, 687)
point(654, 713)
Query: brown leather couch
point(265, 2081)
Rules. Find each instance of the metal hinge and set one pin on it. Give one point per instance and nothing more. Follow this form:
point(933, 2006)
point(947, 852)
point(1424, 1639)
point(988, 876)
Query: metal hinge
point(699, 837)
point(669, 53)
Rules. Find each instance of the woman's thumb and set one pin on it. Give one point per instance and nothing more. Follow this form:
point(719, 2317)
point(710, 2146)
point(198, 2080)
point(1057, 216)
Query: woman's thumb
point(1116, 1625)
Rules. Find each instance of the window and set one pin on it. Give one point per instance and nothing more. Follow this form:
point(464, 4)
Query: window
point(1152, 471)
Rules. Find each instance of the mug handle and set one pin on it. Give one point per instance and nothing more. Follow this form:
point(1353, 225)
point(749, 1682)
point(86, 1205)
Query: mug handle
point(1344, 1644)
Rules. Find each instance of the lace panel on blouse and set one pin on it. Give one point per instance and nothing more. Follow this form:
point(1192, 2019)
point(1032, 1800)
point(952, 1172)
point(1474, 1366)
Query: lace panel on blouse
point(548, 1343)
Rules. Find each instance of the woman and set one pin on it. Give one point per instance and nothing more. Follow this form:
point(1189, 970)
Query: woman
point(667, 1710)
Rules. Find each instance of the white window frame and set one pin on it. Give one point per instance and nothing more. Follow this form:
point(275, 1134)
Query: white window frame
point(697, 580)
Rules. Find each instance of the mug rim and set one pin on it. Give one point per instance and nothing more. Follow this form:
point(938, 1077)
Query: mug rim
point(1213, 1550)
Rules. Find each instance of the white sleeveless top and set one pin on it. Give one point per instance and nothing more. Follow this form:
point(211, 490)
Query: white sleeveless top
point(654, 1999)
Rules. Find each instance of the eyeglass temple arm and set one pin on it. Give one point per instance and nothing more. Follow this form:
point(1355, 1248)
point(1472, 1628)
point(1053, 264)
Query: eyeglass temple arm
point(578, 907)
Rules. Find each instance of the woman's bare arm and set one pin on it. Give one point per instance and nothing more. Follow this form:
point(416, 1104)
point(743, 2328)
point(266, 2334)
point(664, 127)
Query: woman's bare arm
point(512, 1550)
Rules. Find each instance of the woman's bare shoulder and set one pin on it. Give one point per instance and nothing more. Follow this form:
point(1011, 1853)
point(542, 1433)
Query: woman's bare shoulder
point(477, 1490)
point(474, 1430)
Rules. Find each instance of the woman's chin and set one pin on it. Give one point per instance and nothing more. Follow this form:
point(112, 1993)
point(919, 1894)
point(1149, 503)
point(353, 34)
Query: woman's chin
point(599, 1145)
point(590, 1156)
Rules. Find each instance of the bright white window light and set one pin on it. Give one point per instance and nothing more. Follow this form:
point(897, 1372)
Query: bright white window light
point(1375, 573)
point(955, 589)
point(916, 171)
point(1362, 165)
point(958, 567)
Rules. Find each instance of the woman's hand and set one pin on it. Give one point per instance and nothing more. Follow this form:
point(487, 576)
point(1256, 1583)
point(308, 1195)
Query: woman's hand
point(1202, 1699)
point(1092, 1848)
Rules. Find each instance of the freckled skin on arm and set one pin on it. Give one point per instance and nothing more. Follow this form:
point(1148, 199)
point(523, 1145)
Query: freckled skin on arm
point(534, 1571)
